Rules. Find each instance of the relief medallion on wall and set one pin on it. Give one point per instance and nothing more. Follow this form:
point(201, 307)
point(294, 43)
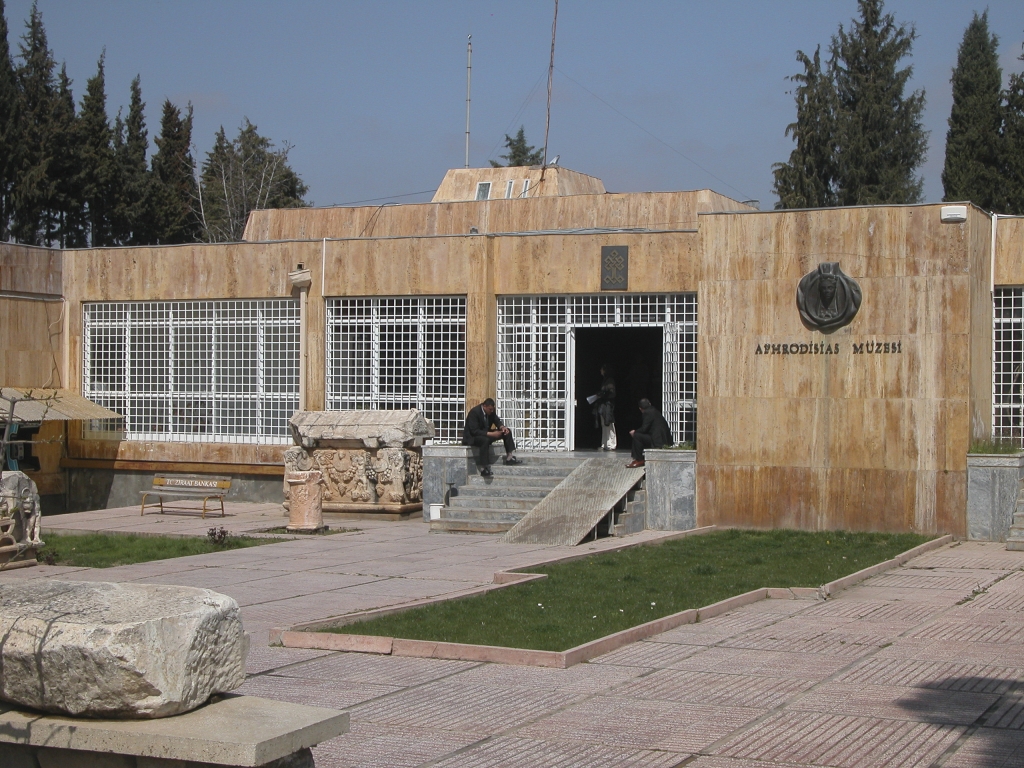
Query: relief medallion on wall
point(827, 298)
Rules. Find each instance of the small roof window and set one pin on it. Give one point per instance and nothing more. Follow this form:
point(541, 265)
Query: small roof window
point(483, 190)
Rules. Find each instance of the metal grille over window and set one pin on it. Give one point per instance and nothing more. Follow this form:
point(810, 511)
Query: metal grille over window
point(1007, 364)
point(535, 349)
point(195, 371)
point(395, 354)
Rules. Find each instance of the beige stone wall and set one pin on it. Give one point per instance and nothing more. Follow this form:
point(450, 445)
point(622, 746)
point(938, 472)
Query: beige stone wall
point(1010, 251)
point(460, 183)
point(643, 210)
point(32, 341)
point(862, 442)
point(979, 231)
point(183, 272)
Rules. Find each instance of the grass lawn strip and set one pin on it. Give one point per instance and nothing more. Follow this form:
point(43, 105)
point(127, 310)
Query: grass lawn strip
point(600, 595)
point(105, 550)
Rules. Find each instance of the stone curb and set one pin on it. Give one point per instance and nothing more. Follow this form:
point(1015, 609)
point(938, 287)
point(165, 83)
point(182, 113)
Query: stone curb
point(329, 641)
point(501, 579)
point(854, 578)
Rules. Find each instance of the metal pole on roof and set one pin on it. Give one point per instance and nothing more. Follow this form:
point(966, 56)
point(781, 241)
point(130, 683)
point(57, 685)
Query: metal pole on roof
point(469, 79)
point(551, 72)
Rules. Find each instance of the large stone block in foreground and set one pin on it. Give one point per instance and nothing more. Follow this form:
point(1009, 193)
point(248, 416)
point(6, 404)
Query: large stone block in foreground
point(117, 650)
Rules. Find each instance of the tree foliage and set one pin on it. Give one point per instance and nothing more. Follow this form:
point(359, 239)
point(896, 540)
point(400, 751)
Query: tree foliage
point(9, 123)
point(1013, 144)
point(244, 175)
point(856, 108)
point(173, 219)
point(519, 152)
point(96, 160)
point(74, 178)
point(808, 179)
point(972, 168)
point(36, 100)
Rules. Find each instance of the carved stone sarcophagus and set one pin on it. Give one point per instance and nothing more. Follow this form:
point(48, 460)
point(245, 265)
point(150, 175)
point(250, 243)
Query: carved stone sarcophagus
point(371, 462)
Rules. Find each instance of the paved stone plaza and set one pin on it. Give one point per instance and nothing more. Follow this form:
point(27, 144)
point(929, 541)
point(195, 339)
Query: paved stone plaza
point(921, 666)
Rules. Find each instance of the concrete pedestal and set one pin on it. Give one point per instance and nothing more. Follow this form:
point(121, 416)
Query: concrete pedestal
point(992, 482)
point(671, 489)
point(233, 731)
point(446, 467)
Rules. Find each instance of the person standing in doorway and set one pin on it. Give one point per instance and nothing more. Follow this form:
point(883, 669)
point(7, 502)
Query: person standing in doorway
point(483, 427)
point(604, 409)
point(654, 432)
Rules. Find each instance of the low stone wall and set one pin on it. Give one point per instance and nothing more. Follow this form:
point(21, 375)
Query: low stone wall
point(445, 467)
point(671, 489)
point(992, 483)
point(110, 488)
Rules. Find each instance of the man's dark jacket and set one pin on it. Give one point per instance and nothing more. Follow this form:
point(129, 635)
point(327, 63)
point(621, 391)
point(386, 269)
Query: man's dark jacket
point(478, 424)
point(654, 424)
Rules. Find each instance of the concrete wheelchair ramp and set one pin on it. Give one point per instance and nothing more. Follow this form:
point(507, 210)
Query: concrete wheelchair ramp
point(572, 509)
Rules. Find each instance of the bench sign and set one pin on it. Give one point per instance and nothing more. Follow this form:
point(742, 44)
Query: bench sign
point(191, 483)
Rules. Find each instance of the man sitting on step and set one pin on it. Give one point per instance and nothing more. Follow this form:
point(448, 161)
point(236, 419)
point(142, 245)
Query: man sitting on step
point(482, 428)
point(654, 432)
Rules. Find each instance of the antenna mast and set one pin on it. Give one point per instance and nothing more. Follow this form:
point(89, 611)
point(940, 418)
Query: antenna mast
point(469, 75)
point(551, 72)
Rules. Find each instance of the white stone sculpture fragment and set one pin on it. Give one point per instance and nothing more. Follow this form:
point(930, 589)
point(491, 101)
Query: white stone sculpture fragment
point(110, 650)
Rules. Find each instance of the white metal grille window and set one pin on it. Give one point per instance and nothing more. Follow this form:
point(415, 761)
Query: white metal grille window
point(535, 358)
point(195, 371)
point(394, 354)
point(1007, 364)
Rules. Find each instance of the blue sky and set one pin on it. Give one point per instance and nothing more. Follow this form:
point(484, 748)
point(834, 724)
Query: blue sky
point(647, 96)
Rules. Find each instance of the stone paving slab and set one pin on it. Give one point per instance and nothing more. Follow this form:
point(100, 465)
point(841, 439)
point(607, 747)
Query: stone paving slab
point(643, 724)
point(887, 673)
point(505, 751)
point(842, 741)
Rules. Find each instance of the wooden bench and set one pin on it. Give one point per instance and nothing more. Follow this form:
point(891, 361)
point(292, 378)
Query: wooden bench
point(203, 487)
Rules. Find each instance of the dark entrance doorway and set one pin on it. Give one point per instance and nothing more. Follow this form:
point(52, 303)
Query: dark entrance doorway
point(635, 356)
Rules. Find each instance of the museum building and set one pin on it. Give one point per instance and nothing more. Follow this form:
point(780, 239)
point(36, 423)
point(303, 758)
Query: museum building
point(832, 366)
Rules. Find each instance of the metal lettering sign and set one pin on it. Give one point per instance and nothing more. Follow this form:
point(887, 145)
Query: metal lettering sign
point(614, 267)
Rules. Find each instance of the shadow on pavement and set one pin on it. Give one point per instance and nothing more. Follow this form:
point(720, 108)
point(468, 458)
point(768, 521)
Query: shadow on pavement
point(995, 738)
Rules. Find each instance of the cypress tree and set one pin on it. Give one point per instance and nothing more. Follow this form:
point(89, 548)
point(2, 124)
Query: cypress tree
point(972, 169)
point(1013, 144)
point(859, 138)
point(881, 141)
point(66, 214)
point(131, 213)
point(519, 152)
point(807, 180)
point(9, 138)
point(97, 158)
point(33, 191)
point(174, 184)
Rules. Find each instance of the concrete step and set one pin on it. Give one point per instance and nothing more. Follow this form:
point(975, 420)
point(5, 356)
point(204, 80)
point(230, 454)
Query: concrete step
point(482, 513)
point(498, 484)
point(469, 526)
point(487, 491)
point(492, 502)
point(630, 522)
point(529, 470)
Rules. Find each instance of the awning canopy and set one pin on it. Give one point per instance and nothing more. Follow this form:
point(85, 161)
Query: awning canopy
point(33, 404)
